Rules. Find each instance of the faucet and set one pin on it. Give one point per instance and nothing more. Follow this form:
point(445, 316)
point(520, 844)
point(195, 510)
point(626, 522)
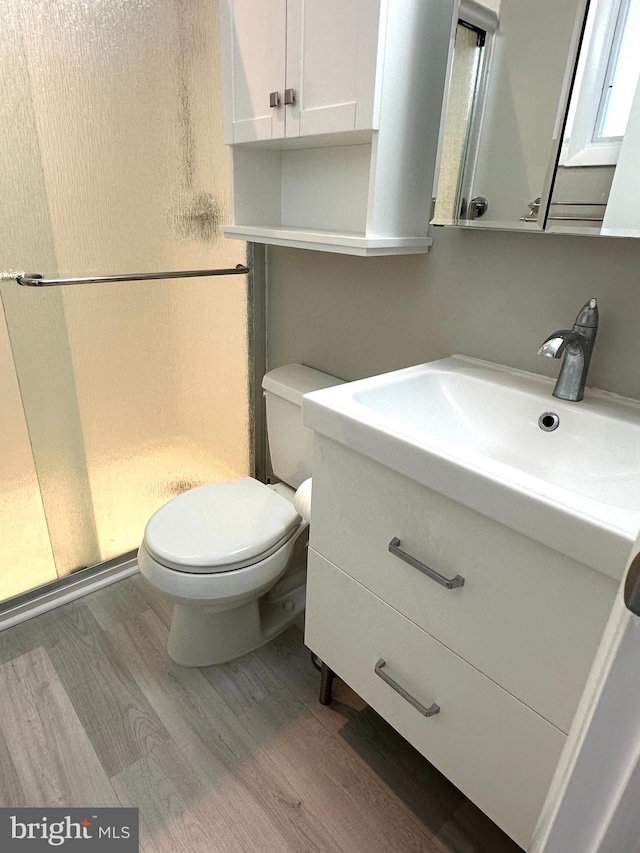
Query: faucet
point(576, 345)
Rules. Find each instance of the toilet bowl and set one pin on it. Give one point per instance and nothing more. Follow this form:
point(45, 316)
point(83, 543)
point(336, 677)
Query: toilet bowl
point(232, 556)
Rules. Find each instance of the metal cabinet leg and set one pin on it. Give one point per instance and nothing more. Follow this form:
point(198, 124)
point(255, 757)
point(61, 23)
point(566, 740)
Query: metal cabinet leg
point(326, 683)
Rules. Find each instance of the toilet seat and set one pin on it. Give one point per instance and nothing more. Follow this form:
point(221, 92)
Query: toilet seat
point(220, 527)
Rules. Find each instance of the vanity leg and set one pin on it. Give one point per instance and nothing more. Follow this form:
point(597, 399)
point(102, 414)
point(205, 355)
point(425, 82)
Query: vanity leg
point(326, 683)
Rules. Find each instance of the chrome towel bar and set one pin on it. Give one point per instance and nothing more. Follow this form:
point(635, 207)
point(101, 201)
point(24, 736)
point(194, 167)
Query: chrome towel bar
point(36, 280)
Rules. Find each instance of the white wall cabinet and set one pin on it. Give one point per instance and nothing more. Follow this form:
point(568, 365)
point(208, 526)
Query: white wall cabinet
point(254, 36)
point(301, 67)
point(332, 111)
point(505, 656)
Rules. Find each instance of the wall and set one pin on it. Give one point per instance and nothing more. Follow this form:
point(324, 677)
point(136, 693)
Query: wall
point(492, 295)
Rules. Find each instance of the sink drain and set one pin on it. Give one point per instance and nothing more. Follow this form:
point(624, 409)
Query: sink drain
point(548, 421)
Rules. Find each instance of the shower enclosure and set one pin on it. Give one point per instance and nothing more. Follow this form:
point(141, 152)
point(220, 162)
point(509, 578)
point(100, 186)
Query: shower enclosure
point(115, 397)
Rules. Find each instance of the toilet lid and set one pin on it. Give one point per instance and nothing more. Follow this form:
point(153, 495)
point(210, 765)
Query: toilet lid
point(209, 528)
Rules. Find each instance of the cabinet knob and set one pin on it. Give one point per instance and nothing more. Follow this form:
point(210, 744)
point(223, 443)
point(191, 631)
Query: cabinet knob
point(289, 96)
point(274, 99)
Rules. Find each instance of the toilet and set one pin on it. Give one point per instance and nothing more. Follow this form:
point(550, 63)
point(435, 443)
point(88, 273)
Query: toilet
point(232, 556)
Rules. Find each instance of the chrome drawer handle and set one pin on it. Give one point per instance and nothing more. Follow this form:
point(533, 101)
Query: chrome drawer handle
point(449, 583)
point(431, 711)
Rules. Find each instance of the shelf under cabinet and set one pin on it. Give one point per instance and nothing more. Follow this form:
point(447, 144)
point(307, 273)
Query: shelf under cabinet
point(333, 241)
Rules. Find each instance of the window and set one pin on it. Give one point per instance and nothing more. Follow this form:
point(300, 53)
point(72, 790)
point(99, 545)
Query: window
point(606, 80)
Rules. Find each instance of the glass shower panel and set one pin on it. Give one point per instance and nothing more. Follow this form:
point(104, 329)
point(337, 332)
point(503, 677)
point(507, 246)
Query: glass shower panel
point(39, 354)
point(125, 109)
point(21, 509)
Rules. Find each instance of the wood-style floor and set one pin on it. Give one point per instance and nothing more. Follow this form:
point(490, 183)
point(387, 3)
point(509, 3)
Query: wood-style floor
point(239, 758)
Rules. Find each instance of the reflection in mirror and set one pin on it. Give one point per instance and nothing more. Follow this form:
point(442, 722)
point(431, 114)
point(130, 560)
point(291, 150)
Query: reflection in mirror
point(598, 176)
point(468, 55)
point(500, 131)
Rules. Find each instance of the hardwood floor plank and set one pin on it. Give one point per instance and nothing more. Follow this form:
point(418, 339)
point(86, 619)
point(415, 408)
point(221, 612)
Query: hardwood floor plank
point(116, 603)
point(181, 696)
point(11, 793)
point(363, 813)
point(159, 604)
point(174, 814)
point(470, 831)
point(237, 777)
point(425, 791)
point(119, 721)
point(20, 639)
point(290, 660)
point(243, 683)
point(51, 753)
point(288, 657)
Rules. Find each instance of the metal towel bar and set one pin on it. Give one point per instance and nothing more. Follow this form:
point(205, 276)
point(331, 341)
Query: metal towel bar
point(36, 280)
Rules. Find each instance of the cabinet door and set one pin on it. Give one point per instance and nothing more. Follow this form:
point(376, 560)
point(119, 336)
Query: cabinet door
point(332, 55)
point(254, 45)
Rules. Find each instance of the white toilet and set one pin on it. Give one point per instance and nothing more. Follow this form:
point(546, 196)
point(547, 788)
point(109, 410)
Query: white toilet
point(232, 556)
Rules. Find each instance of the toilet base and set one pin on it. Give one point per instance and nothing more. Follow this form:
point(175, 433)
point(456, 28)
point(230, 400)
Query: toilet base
point(204, 636)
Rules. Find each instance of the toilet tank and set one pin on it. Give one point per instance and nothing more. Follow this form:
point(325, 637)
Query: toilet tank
point(291, 443)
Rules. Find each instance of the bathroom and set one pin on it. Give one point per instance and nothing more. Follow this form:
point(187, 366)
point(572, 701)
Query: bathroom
point(240, 756)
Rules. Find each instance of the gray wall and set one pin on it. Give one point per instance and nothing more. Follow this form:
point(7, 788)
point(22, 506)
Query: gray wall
point(492, 295)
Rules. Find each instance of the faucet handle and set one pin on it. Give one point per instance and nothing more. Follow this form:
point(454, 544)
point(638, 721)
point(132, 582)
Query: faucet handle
point(589, 315)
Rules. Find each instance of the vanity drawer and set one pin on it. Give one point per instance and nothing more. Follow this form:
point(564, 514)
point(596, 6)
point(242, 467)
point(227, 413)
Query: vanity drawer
point(527, 616)
point(496, 750)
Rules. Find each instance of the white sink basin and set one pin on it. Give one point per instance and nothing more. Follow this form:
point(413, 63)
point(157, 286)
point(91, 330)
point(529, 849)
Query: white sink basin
point(470, 430)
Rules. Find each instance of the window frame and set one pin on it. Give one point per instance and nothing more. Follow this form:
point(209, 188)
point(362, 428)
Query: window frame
point(602, 39)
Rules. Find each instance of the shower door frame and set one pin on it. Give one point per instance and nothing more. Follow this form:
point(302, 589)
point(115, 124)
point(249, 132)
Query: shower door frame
point(81, 582)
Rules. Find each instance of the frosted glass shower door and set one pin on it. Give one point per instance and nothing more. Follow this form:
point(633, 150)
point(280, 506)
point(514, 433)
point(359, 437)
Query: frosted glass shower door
point(21, 509)
point(112, 161)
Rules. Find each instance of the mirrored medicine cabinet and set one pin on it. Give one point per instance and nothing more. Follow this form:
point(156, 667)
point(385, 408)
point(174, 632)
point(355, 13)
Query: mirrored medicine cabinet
point(541, 125)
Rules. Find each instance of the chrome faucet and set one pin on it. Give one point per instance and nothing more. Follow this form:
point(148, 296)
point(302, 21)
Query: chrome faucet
point(576, 345)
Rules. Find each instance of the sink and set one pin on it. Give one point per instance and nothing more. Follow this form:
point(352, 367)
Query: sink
point(475, 432)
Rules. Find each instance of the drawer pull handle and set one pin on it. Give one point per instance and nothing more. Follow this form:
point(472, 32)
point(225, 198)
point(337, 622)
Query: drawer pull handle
point(449, 583)
point(431, 711)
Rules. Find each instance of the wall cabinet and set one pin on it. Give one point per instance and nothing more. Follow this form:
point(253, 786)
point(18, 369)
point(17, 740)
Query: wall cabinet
point(332, 111)
point(504, 657)
point(301, 68)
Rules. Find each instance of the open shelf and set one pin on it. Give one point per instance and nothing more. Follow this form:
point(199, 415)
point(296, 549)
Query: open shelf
point(328, 241)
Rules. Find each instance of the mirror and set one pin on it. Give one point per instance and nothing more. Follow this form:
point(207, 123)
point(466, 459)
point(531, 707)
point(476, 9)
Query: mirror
point(541, 125)
point(598, 176)
point(508, 83)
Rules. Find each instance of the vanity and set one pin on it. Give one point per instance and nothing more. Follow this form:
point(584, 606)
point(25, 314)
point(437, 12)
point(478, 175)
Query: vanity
point(463, 562)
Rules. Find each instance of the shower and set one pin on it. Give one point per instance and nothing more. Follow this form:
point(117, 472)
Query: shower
point(116, 393)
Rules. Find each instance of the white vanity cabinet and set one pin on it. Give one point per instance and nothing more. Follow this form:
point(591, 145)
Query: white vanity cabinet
point(504, 656)
point(332, 111)
point(301, 67)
